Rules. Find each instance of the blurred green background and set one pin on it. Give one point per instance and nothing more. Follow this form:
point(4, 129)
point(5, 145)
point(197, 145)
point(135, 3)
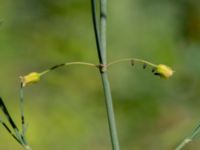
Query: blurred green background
point(66, 110)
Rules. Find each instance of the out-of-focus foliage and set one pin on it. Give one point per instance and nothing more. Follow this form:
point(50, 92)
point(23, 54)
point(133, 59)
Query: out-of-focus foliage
point(66, 109)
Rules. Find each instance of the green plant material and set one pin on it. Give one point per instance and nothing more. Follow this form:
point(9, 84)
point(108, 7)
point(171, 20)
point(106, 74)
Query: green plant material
point(34, 77)
point(160, 70)
point(15, 133)
point(100, 36)
point(22, 109)
point(188, 139)
point(101, 49)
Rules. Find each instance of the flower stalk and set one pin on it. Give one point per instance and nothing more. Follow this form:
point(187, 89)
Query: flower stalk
point(160, 70)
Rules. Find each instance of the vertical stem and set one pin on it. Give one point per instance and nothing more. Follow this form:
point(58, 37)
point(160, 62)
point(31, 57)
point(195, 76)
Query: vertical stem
point(110, 111)
point(96, 31)
point(103, 15)
point(22, 109)
point(101, 48)
point(22, 136)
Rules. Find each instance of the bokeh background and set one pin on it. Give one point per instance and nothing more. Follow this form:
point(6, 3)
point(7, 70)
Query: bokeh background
point(66, 110)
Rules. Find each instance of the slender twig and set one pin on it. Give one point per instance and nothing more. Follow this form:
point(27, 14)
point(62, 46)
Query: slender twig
point(68, 64)
point(188, 139)
point(101, 49)
point(132, 60)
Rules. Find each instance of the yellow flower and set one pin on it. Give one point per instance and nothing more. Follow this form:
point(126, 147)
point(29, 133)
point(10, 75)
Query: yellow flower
point(32, 77)
point(164, 71)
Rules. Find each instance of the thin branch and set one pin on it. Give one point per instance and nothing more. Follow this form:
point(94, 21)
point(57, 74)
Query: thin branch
point(132, 60)
point(68, 64)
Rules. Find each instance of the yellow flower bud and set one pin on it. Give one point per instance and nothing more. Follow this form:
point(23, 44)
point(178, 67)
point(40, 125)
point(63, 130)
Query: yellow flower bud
point(32, 77)
point(164, 71)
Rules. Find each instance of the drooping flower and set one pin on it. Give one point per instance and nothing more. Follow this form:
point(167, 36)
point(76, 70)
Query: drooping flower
point(163, 71)
point(31, 78)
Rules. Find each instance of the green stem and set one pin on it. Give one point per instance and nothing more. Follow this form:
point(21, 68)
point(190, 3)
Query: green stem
point(103, 21)
point(23, 136)
point(22, 109)
point(68, 64)
point(188, 139)
point(131, 60)
point(101, 49)
point(110, 111)
point(96, 31)
point(183, 144)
